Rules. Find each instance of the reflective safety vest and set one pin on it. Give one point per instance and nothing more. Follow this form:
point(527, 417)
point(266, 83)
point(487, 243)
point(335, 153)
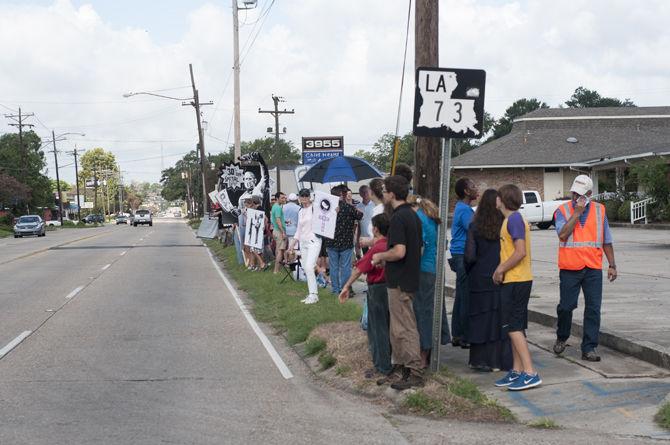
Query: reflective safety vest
point(584, 248)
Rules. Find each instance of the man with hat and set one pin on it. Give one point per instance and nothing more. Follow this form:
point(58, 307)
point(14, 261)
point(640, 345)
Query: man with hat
point(584, 235)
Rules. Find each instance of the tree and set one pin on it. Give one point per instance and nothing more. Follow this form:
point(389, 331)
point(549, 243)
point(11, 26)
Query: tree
point(25, 164)
point(286, 153)
point(97, 165)
point(520, 107)
point(381, 153)
point(653, 175)
point(12, 191)
point(585, 98)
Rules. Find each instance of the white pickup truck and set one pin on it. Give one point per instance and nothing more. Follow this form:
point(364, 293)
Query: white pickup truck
point(538, 212)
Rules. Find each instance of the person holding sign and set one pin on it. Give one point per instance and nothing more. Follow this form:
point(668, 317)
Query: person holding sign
point(310, 244)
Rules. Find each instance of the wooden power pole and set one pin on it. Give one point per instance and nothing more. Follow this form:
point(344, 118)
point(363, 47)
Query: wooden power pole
point(276, 113)
point(427, 159)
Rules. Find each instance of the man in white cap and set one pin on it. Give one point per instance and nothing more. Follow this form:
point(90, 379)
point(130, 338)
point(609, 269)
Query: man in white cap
point(584, 235)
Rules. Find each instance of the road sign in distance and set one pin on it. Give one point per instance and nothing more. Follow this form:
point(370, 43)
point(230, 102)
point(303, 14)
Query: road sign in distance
point(449, 103)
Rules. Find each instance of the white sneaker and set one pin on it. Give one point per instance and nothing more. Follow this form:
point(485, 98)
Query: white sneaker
point(305, 299)
point(312, 299)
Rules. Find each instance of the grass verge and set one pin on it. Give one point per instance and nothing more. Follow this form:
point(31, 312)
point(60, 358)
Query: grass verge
point(194, 223)
point(314, 345)
point(544, 423)
point(279, 304)
point(327, 360)
point(663, 416)
point(6, 231)
point(422, 403)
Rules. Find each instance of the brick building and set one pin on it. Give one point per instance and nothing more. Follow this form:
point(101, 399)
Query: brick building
point(547, 148)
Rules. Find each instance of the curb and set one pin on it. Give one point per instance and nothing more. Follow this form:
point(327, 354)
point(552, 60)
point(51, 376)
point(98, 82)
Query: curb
point(646, 351)
point(651, 226)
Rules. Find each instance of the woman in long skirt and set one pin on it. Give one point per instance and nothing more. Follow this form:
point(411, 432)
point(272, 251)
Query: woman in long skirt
point(490, 350)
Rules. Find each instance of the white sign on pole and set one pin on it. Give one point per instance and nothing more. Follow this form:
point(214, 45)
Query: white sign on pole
point(325, 214)
point(449, 103)
point(255, 227)
point(213, 197)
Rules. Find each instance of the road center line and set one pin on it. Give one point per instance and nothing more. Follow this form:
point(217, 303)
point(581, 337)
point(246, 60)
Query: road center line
point(14, 343)
point(106, 266)
point(274, 355)
point(74, 292)
point(123, 253)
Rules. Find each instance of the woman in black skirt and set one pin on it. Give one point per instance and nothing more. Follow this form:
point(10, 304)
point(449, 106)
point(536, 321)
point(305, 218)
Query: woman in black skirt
point(490, 350)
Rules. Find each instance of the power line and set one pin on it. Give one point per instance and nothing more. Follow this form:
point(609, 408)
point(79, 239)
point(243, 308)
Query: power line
point(264, 17)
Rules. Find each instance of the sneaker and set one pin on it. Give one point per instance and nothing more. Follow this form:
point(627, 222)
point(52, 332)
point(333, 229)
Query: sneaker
point(559, 347)
point(321, 281)
point(312, 299)
point(591, 356)
point(508, 379)
point(525, 381)
point(395, 375)
point(410, 381)
point(305, 299)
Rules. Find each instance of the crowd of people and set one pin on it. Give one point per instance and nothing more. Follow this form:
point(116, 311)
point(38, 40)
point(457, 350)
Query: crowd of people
point(390, 237)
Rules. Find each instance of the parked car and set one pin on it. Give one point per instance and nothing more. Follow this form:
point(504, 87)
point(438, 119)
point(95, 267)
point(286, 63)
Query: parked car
point(538, 212)
point(93, 218)
point(142, 217)
point(29, 225)
point(53, 223)
point(121, 219)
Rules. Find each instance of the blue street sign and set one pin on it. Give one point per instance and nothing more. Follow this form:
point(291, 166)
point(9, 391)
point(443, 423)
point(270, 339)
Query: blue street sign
point(313, 157)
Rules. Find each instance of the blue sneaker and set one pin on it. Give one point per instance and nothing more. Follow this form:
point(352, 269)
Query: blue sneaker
point(525, 381)
point(508, 379)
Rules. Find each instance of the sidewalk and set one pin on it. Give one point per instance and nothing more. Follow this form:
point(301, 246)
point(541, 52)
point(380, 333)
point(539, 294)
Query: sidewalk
point(636, 307)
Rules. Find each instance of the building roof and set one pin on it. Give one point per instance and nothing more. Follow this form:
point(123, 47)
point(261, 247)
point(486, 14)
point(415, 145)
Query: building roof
point(598, 135)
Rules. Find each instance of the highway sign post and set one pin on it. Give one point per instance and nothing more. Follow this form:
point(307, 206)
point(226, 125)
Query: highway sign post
point(449, 104)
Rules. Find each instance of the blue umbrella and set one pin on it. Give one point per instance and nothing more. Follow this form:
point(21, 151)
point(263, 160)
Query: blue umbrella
point(340, 169)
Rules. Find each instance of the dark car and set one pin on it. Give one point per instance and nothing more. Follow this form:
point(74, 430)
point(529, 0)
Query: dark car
point(90, 219)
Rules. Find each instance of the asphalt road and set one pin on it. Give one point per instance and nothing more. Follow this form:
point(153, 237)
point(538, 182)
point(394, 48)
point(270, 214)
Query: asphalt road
point(133, 338)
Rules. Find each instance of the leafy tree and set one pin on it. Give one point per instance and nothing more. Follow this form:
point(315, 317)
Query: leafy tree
point(286, 153)
point(585, 98)
point(25, 164)
point(381, 153)
point(653, 175)
point(503, 125)
point(97, 165)
point(12, 191)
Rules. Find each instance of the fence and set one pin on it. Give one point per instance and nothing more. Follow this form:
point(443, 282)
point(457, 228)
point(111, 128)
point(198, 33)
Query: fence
point(638, 210)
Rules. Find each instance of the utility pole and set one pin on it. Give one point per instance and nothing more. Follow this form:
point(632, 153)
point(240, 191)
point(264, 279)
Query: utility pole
point(427, 159)
point(201, 141)
point(248, 4)
point(18, 122)
point(276, 113)
point(76, 174)
point(60, 198)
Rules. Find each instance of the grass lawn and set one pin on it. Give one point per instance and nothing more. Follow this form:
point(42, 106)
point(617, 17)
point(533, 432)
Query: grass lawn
point(6, 231)
point(663, 416)
point(279, 304)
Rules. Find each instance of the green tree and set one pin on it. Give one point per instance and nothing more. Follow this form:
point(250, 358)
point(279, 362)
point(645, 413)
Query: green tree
point(286, 153)
point(653, 176)
point(99, 165)
point(25, 164)
point(503, 126)
point(381, 153)
point(585, 98)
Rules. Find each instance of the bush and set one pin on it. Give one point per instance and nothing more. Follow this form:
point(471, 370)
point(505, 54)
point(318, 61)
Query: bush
point(612, 209)
point(7, 220)
point(623, 212)
point(68, 223)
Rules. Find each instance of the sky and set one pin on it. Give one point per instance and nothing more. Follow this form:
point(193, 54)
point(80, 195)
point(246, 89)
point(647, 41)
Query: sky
point(337, 63)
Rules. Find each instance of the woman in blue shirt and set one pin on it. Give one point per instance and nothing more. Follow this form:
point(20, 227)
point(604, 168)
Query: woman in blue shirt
point(424, 302)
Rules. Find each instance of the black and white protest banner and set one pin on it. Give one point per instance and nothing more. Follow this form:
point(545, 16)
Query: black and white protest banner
point(325, 214)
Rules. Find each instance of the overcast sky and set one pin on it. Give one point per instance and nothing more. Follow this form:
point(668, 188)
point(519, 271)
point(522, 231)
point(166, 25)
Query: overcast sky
point(338, 63)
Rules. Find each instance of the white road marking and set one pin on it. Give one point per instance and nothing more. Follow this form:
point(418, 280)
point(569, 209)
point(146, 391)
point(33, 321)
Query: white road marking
point(274, 355)
point(124, 252)
point(14, 343)
point(106, 266)
point(141, 239)
point(74, 292)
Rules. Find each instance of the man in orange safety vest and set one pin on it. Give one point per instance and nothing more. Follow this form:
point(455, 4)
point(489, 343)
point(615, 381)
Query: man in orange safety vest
point(584, 235)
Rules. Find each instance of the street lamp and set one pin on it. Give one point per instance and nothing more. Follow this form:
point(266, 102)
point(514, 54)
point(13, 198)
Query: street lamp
point(54, 139)
point(195, 102)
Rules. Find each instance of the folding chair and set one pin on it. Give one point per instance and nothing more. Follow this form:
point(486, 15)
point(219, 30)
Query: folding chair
point(289, 268)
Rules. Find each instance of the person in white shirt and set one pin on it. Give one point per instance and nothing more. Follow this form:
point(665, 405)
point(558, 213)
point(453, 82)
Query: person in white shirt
point(310, 245)
point(376, 197)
